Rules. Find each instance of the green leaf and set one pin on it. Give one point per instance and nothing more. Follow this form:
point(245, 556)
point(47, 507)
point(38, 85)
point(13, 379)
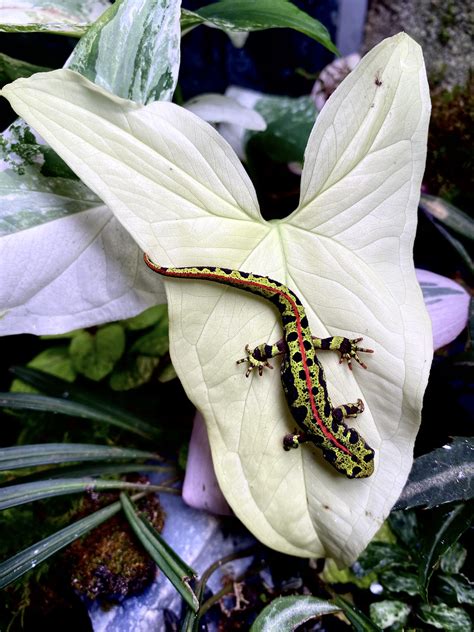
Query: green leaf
point(247, 15)
point(287, 613)
point(96, 355)
point(448, 215)
point(175, 569)
point(176, 185)
point(442, 476)
point(55, 361)
point(47, 453)
point(147, 38)
point(15, 495)
point(11, 69)
point(138, 370)
point(389, 613)
point(445, 528)
point(151, 316)
point(155, 342)
point(453, 559)
point(16, 566)
point(359, 621)
point(444, 618)
point(63, 17)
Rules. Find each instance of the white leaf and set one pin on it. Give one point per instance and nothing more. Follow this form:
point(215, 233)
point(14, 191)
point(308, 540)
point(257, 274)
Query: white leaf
point(346, 251)
point(217, 108)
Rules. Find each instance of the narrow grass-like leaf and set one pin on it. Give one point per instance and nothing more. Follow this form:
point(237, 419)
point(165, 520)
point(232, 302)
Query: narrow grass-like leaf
point(22, 493)
point(175, 569)
point(57, 387)
point(445, 529)
point(442, 476)
point(359, 621)
point(91, 469)
point(287, 613)
point(248, 15)
point(48, 453)
point(29, 558)
point(448, 214)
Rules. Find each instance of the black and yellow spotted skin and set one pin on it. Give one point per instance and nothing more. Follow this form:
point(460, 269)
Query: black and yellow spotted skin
point(302, 374)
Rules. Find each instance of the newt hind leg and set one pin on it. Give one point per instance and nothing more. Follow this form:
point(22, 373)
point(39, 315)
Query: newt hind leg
point(293, 440)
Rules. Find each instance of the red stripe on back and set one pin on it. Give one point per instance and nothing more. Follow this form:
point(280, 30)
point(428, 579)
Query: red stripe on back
point(234, 281)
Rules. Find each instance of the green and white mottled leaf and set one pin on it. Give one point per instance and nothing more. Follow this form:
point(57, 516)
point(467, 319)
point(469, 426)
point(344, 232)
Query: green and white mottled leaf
point(442, 476)
point(147, 35)
point(448, 306)
point(67, 17)
point(287, 613)
point(248, 15)
point(460, 586)
point(386, 613)
point(453, 560)
point(347, 252)
point(445, 618)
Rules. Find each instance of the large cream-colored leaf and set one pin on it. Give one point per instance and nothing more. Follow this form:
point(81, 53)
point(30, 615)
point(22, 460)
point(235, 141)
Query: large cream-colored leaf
point(347, 251)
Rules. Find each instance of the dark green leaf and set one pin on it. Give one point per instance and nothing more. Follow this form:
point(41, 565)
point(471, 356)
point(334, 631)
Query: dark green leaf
point(389, 613)
point(404, 524)
point(175, 569)
point(287, 613)
point(459, 586)
point(360, 622)
point(103, 409)
point(47, 453)
point(30, 401)
point(458, 246)
point(380, 555)
point(11, 69)
point(448, 214)
point(289, 124)
point(444, 618)
point(29, 558)
point(445, 528)
point(248, 15)
point(442, 476)
point(401, 580)
point(453, 560)
point(15, 495)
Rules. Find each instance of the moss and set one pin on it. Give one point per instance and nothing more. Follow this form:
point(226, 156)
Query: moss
point(110, 564)
point(449, 168)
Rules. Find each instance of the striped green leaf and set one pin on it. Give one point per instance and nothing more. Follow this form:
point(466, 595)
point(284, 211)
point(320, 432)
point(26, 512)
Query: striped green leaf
point(175, 569)
point(16, 566)
point(48, 453)
point(104, 409)
point(16, 495)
